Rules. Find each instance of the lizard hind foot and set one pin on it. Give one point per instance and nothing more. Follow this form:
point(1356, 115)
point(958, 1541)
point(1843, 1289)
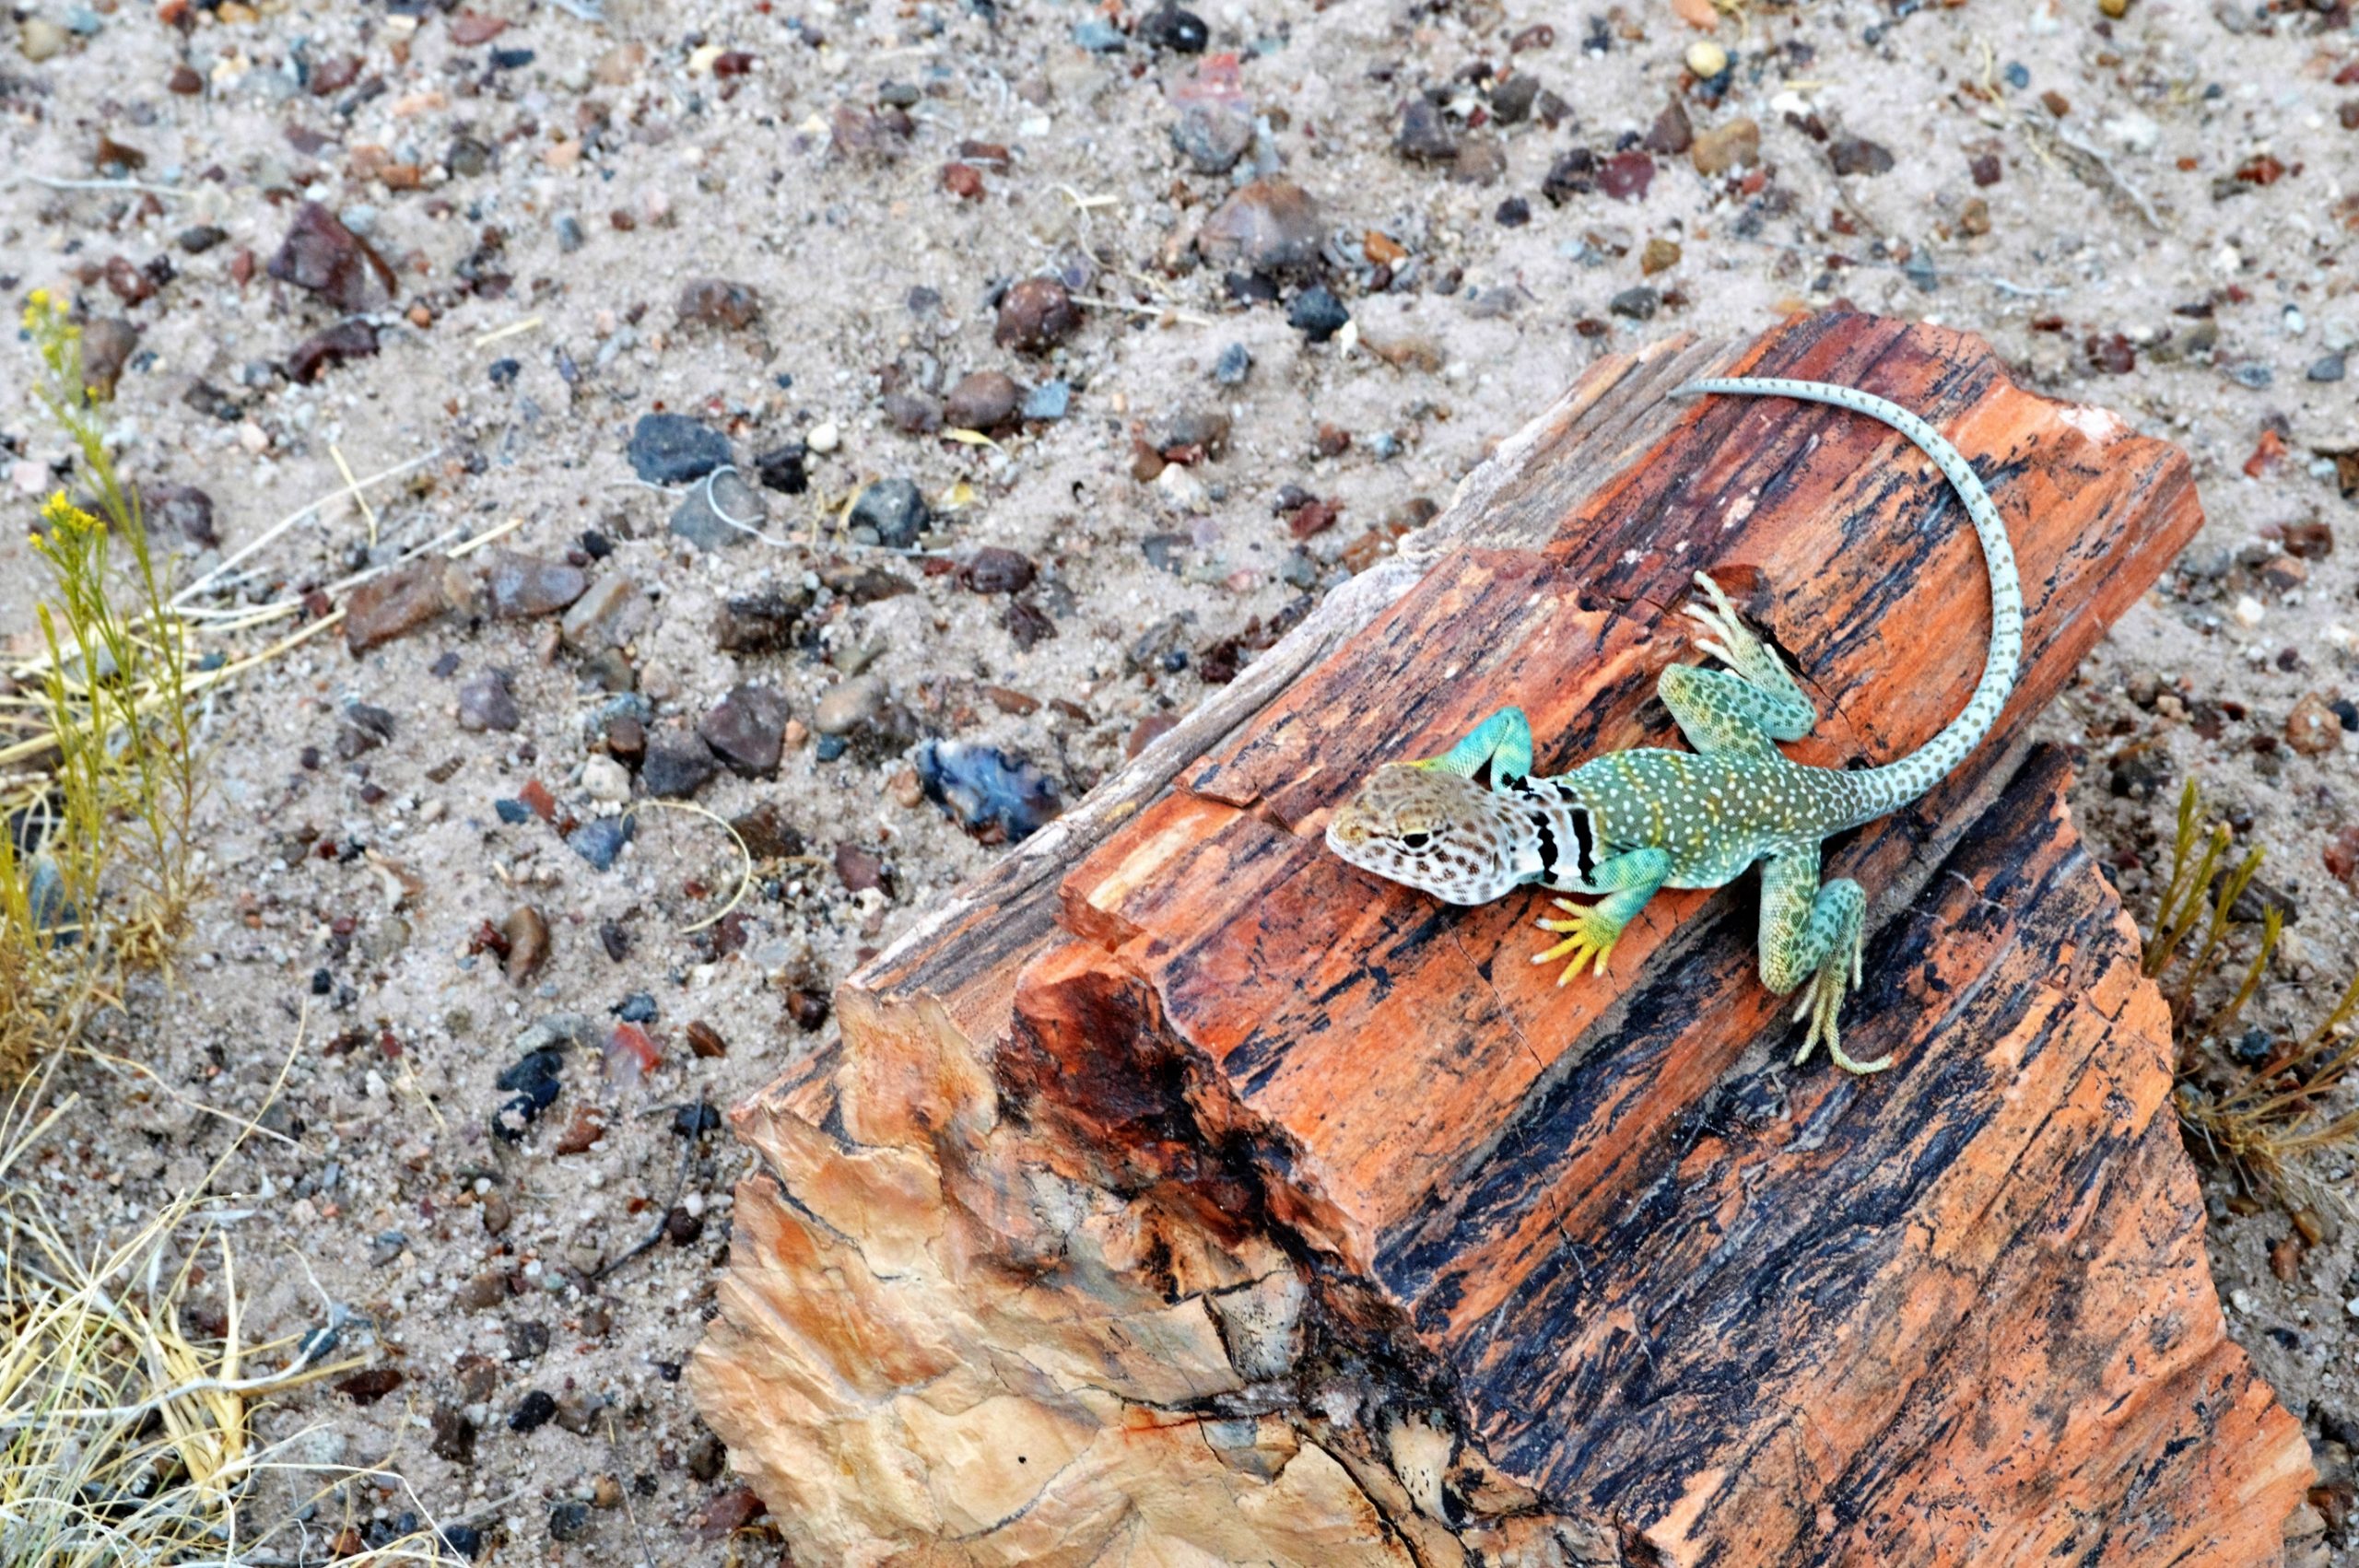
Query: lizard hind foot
point(1724, 636)
point(1822, 1003)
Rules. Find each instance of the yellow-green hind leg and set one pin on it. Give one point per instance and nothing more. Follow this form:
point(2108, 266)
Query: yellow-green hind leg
point(1812, 932)
point(1628, 881)
point(1759, 689)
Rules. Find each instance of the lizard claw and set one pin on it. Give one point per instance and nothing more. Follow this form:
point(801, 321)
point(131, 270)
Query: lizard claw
point(1591, 943)
point(1823, 1002)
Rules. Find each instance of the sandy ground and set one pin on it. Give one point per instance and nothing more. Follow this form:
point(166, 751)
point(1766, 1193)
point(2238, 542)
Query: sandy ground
point(2154, 212)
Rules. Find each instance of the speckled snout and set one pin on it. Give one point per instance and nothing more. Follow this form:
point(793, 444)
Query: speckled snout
point(1435, 832)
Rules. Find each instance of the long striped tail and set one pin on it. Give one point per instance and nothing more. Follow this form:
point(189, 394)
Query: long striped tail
point(1887, 789)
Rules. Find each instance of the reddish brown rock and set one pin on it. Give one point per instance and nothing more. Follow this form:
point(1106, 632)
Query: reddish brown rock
point(717, 302)
point(323, 256)
point(1270, 224)
point(1177, 1192)
point(1035, 316)
point(386, 607)
point(345, 340)
point(527, 931)
point(983, 400)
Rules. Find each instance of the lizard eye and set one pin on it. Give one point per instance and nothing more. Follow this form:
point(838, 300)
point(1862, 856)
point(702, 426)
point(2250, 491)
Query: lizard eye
point(1415, 840)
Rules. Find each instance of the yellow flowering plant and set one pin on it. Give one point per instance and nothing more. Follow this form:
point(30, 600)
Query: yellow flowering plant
point(95, 865)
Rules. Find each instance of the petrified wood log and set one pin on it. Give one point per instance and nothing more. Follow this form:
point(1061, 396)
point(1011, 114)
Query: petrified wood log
point(1180, 1194)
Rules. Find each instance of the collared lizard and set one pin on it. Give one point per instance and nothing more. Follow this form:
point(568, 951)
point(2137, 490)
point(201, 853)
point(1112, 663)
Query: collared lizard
point(1626, 823)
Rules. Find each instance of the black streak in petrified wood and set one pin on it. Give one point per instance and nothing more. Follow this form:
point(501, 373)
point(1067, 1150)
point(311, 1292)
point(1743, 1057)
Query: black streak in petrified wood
point(1284, 1215)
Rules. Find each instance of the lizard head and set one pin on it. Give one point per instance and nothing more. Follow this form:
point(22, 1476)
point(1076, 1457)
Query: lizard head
point(1437, 832)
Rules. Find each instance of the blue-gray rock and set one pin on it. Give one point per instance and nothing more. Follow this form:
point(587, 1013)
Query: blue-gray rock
point(1236, 362)
point(890, 512)
point(485, 703)
point(994, 796)
point(1099, 36)
point(677, 766)
point(1636, 304)
point(2327, 370)
point(672, 448)
point(567, 1521)
point(600, 839)
point(1316, 313)
point(716, 512)
point(2253, 376)
point(1050, 400)
point(1212, 130)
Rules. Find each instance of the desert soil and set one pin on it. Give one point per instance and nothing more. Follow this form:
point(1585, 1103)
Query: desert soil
point(805, 224)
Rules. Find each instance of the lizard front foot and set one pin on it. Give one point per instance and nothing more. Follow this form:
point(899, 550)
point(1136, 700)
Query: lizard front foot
point(1822, 1004)
point(1594, 932)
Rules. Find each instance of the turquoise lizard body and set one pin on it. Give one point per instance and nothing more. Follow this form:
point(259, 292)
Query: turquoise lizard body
point(1624, 825)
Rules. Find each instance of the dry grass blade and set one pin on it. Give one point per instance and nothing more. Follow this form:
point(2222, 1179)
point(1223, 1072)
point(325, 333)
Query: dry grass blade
point(127, 1386)
point(2260, 1121)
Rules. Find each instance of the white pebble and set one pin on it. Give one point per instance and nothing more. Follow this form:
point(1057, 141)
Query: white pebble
point(2249, 611)
point(605, 779)
point(823, 438)
point(1707, 59)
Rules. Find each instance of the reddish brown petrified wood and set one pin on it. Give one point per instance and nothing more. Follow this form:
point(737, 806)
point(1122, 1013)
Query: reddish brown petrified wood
point(1180, 1194)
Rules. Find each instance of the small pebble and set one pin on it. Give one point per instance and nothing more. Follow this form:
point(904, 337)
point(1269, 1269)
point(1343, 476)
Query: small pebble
point(846, 706)
point(1233, 366)
point(485, 703)
point(604, 779)
point(600, 839)
point(717, 302)
point(671, 449)
point(678, 764)
point(1316, 313)
point(983, 400)
point(1035, 316)
point(995, 796)
point(1706, 59)
point(1048, 401)
point(567, 1521)
point(721, 511)
point(1270, 224)
point(746, 730)
point(39, 39)
point(892, 512)
point(1173, 27)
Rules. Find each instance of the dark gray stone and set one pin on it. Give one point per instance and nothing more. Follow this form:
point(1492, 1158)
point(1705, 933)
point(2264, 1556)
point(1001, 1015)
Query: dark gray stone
point(677, 765)
point(672, 448)
point(893, 513)
point(745, 729)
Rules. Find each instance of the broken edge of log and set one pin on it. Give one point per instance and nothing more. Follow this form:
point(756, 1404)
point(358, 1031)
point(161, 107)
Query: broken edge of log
point(1179, 1193)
